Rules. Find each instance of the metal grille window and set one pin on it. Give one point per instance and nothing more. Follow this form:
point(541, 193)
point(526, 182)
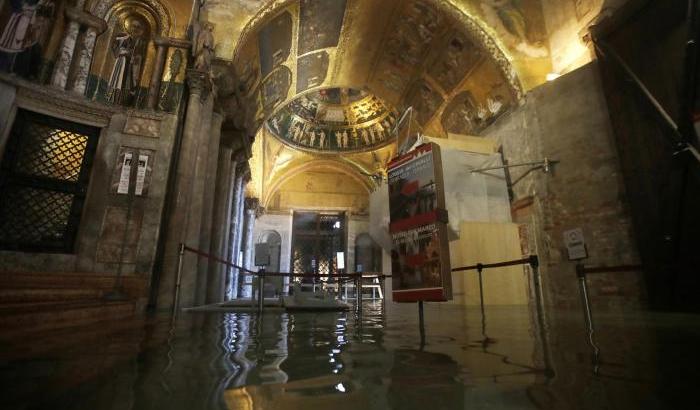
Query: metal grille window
point(43, 181)
point(317, 237)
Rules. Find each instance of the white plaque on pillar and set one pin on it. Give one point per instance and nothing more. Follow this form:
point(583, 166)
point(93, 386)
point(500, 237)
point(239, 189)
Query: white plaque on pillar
point(141, 173)
point(123, 187)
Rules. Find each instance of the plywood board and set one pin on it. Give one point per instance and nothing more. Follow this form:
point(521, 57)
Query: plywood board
point(488, 243)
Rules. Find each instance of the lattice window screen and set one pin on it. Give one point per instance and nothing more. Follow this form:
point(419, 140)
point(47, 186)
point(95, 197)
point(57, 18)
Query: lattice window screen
point(43, 180)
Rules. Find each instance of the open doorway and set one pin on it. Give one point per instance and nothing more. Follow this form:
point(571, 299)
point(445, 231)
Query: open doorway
point(317, 237)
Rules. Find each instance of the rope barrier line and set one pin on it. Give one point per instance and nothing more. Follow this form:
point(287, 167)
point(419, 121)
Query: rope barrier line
point(249, 272)
point(530, 260)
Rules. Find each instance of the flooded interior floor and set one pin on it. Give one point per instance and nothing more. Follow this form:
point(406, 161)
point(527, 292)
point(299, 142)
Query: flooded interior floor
point(377, 360)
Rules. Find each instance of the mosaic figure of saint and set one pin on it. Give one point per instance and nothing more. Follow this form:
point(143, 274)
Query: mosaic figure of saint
point(312, 138)
point(345, 138)
point(365, 136)
point(339, 139)
point(380, 130)
point(372, 136)
point(23, 35)
point(125, 77)
point(321, 139)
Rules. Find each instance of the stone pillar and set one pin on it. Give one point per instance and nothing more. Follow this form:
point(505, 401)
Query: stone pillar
point(156, 77)
point(95, 26)
point(179, 222)
point(251, 209)
point(196, 205)
point(221, 223)
point(236, 233)
point(205, 229)
point(59, 78)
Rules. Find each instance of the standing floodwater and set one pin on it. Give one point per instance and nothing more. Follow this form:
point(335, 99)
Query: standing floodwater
point(336, 361)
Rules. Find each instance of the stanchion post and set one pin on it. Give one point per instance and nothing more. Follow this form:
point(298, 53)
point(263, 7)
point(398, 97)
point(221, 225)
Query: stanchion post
point(421, 324)
point(358, 292)
point(261, 285)
point(588, 315)
point(480, 268)
point(178, 277)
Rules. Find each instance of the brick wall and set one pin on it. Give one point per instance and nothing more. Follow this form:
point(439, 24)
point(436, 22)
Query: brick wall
point(567, 120)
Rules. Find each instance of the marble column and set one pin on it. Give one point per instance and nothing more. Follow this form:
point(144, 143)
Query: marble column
point(205, 229)
point(197, 200)
point(157, 75)
point(251, 209)
point(95, 26)
point(221, 222)
point(61, 69)
point(236, 233)
point(178, 230)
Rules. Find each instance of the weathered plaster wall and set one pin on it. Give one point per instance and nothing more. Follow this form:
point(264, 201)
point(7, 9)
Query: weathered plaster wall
point(567, 22)
point(104, 245)
point(567, 120)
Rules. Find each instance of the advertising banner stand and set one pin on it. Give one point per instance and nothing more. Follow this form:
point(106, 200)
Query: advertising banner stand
point(420, 256)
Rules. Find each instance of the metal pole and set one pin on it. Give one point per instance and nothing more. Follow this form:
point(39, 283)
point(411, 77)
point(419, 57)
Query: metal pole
point(358, 293)
point(588, 316)
point(261, 285)
point(480, 268)
point(180, 256)
point(421, 324)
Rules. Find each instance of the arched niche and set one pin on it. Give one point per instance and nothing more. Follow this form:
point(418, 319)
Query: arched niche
point(368, 255)
point(274, 285)
point(125, 53)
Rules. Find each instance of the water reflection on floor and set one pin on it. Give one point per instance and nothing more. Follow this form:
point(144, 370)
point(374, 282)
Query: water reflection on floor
point(338, 361)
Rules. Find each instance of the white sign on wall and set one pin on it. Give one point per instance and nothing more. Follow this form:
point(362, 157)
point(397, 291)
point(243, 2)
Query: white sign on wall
point(575, 244)
point(123, 187)
point(141, 173)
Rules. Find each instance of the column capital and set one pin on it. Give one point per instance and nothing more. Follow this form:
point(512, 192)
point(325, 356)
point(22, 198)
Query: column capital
point(172, 42)
point(252, 204)
point(86, 19)
point(199, 82)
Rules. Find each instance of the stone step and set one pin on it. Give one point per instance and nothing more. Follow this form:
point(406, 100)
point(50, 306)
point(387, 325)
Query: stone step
point(35, 287)
point(13, 296)
point(17, 318)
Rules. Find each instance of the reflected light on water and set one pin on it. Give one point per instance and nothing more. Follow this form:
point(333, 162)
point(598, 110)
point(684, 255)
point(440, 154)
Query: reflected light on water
point(376, 360)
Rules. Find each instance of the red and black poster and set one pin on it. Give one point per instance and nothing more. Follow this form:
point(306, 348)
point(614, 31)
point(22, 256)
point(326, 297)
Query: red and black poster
point(420, 255)
point(416, 195)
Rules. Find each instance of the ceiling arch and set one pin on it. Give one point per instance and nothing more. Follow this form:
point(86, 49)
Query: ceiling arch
point(434, 55)
point(333, 165)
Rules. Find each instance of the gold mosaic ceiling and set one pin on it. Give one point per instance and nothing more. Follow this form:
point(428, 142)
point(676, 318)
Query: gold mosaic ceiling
point(459, 63)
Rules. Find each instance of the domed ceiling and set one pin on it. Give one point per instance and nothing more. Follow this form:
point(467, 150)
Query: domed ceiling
point(334, 120)
point(427, 54)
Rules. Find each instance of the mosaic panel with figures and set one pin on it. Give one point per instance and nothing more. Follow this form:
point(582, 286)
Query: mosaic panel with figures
point(335, 120)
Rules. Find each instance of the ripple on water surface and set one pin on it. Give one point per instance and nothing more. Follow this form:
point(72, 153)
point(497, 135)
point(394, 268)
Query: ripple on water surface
point(378, 360)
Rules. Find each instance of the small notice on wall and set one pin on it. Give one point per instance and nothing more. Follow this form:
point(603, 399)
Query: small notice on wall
point(575, 244)
point(123, 187)
point(141, 173)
